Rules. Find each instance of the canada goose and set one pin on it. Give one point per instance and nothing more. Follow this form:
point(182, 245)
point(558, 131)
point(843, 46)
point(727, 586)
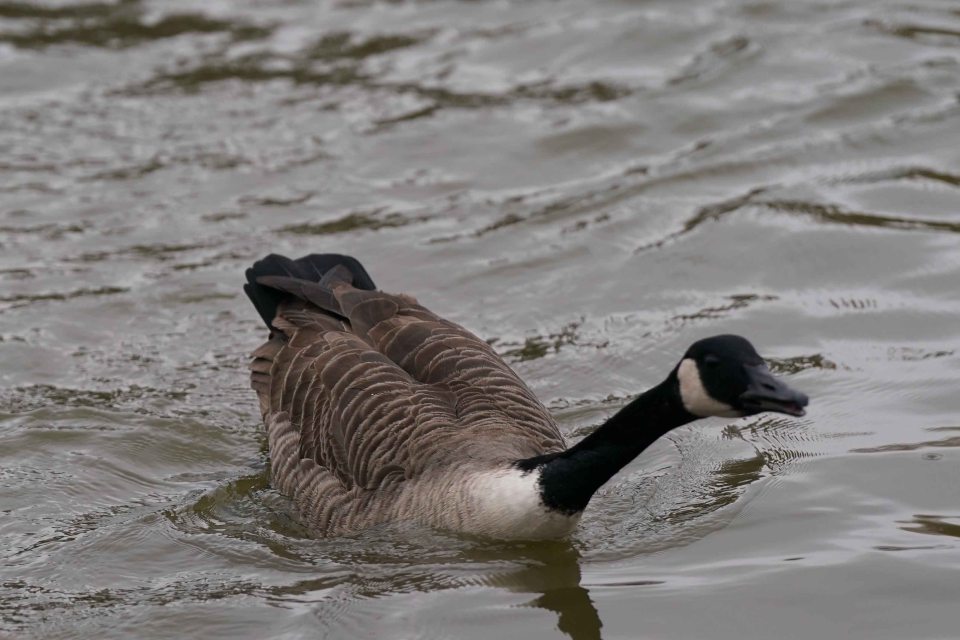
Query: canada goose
point(377, 410)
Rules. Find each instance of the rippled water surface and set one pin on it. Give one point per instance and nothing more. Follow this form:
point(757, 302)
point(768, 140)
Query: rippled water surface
point(591, 185)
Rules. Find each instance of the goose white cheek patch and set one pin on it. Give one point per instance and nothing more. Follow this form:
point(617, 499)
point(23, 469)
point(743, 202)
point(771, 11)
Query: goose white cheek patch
point(694, 396)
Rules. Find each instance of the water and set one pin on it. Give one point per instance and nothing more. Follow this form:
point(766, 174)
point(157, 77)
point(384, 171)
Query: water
point(591, 185)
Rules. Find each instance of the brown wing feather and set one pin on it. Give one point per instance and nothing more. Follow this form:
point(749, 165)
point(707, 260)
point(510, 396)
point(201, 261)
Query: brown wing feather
point(389, 393)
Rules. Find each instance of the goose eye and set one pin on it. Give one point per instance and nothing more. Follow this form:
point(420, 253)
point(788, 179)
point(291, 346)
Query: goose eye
point(711, 360)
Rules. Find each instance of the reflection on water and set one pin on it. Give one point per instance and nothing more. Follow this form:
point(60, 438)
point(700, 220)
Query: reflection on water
point(949, 441)
point(115, 25)
point(590, 186)
point(556, 580)
point(934, 525)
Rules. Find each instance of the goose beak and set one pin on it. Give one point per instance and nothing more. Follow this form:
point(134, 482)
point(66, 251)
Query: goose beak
point(765, 392)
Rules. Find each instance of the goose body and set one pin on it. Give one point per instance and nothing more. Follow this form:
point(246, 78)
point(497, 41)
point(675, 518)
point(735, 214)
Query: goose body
point(377, 410)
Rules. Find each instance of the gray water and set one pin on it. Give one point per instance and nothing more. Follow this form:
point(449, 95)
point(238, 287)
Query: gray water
point(589, 185)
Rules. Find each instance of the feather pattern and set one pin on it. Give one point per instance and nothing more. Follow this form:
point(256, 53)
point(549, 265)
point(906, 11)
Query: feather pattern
point(378, 410)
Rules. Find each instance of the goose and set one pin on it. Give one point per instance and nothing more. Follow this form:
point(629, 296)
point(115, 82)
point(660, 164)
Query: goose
point(379, 411)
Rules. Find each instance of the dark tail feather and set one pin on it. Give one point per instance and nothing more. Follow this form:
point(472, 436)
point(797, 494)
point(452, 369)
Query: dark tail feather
point(275, 278)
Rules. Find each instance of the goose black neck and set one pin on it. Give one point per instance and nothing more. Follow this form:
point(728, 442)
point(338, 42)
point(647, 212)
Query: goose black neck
point(569, 478)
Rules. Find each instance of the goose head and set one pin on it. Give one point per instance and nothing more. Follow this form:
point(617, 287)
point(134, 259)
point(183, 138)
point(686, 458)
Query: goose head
point(725, 376)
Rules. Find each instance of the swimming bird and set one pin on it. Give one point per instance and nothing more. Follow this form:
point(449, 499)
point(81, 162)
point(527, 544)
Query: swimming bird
point(377, 411)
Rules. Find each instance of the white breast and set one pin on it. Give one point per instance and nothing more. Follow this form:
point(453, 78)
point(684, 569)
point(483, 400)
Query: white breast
point(506, 503)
